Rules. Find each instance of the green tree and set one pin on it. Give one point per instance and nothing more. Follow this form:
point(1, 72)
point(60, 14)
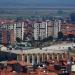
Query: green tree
point(60, 35)
point(70, 37)
point(18, 40)
point(50, 38)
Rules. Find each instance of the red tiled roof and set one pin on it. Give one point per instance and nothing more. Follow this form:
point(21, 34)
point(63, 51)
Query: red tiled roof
point(4, 21)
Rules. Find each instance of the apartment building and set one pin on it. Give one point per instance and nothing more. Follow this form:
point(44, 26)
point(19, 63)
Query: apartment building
point(57, 27)
point(27, 29)
point(47, 28)
point(40, 30)
point(20, 29)
point(50, 28)
point(7, 36)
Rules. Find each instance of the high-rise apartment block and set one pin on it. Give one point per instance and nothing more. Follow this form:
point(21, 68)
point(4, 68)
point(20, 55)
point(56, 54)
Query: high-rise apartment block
point(20, 29)
point(7, 36)
point(57, 27)
point(40, 30)
point(47, 28)
point(26, 29)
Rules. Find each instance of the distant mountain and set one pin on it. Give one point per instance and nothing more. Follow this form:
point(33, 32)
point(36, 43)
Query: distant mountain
point(37, 3)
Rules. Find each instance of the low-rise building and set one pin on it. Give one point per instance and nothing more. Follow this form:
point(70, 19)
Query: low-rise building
point(68, 28)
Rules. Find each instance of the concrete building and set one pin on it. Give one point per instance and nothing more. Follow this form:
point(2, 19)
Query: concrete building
point(40, 30)
point(57, 28)
point(20, 29)
point(28, 30)
point(51, 53)
point(55, 52)
point(6, 36)
point(49, 27)
point(12, 41)
point(11, 25)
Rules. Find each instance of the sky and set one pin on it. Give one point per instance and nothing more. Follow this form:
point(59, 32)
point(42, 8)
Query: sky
point(37, 3)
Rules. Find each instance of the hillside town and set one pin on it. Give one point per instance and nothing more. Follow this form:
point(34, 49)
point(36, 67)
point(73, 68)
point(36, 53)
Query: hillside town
point(13, 30)
point(37, 46)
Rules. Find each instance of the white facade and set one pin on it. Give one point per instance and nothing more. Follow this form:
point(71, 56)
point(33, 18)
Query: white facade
point(60, 23)
point(57, 27)
point(36, 31)
point(40, 30)
point(47, 28)
point(20, 30)
point(15, 32)
point(50, 28)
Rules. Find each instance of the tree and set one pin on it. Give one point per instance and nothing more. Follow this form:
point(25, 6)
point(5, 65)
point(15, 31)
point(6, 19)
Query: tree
point(44, 40)
point(18, 39)
point(74, 38)
point(64, 38)
point(70, 37)
point(60, 35)
point(32, 41)
point(50, 38)
point(39, 42)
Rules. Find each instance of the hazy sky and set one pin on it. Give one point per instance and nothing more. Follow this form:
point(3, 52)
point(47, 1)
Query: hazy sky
point(38, 3)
